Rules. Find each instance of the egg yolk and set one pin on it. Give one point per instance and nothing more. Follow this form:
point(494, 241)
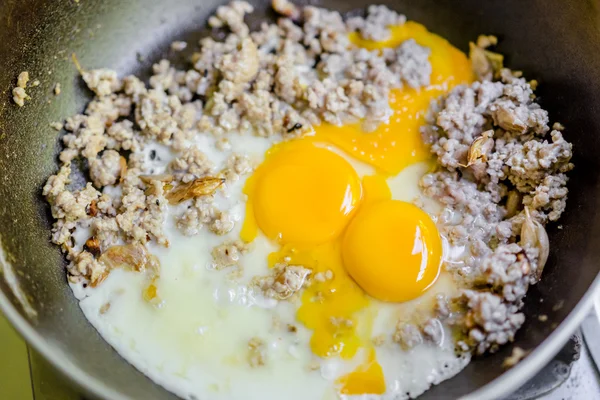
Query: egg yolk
point(304, 194)
point(397, 144)
point(392, 250)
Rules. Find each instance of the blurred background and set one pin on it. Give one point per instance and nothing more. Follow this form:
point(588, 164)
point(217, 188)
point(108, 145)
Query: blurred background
point(15, 378)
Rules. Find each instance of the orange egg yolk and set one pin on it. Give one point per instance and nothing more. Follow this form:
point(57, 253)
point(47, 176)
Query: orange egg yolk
point(392, 250)
point(303, 194)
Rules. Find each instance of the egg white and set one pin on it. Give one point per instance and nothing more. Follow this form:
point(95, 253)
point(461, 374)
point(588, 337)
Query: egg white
point(194, 342)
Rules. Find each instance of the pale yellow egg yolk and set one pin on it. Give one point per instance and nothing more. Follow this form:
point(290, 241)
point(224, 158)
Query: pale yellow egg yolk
point(310, 200)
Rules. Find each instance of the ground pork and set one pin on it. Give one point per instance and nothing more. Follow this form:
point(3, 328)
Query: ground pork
point(412, 64)
point(497, 168)
point(433, 331)
point(520, 158)
point(502, 171)
point(105, 170)
point(22, 79)
point(19, 93)
point(102, 81)
point(490, 321)
point(287, 96)
point(257, 352)
point(283, 281)
point(85, 265)
point(57, 126)
point(407, 335)
point(202, 212)
point(122, 136)
point(178, 45)
point(237, 164)
point(228, 254)
point(192, 164)
point(376, 25)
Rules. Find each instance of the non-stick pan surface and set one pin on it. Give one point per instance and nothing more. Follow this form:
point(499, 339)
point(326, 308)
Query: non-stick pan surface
point(556, 42)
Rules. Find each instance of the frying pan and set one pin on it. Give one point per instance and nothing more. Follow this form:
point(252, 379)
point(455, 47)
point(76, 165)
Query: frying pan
point(557, 42)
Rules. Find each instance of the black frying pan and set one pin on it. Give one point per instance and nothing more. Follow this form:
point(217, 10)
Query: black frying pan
point(557, 42)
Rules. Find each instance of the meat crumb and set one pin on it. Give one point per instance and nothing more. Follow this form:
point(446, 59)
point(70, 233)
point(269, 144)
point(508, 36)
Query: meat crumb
point(490, 321)
point(22, 79)
point(517, 355)
point(228, 254)
point(58, 126)
point(283, 282)
point(257, 350)
point(104, 308)
point(286, 8)
point(407, 335)
point(178, 46)
point(19, 93)
point(19, 96)
point(433, 331)
point(376, 25)
point(378, 340)
point(106, 170)
point(559, 304)
point(485, 41)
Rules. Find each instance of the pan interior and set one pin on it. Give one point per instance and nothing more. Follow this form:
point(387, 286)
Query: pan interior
point(40, 36)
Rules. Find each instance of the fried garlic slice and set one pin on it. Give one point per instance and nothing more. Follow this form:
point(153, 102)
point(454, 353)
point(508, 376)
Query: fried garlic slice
point(480, 148)
point(533, 234)
point(196, 188)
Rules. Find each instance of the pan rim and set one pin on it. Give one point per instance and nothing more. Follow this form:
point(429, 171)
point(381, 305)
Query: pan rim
point(505, 384)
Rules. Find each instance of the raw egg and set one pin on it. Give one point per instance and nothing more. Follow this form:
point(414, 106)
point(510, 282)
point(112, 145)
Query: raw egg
point(338, 203)
point(360, 244)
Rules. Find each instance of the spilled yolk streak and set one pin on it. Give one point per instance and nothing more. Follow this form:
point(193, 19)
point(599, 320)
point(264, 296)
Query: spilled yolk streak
point(305, 196)
point(397, 144)
point(367, 378)
point(331, 307)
